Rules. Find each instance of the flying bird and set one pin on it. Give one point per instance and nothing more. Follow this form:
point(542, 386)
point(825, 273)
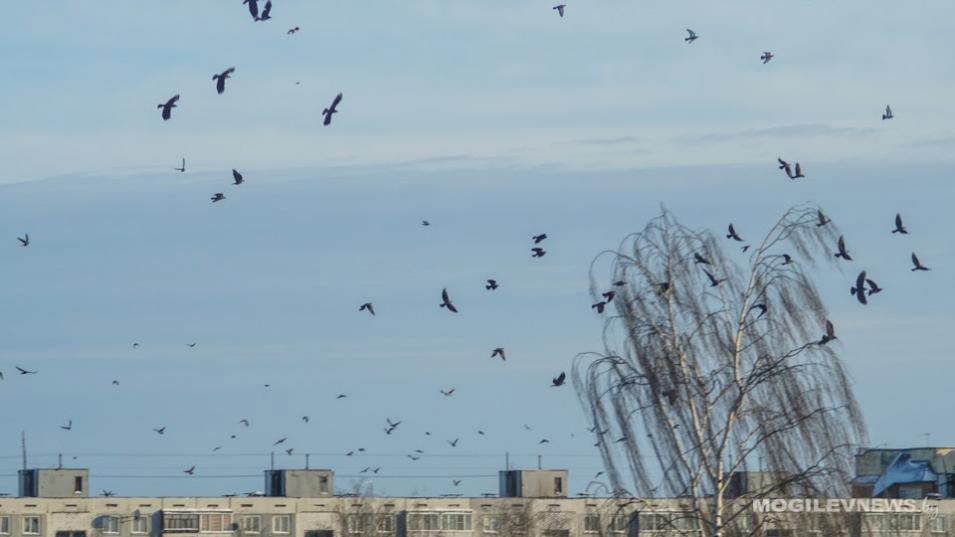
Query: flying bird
point(183, 168)
point(499, 352)
point(221, 78)
point(115, 383)
point(766, 57)
point(305, 419)
point(798, 173)
point(899, 227)
point(289, 451)
point(691, 37)
point(733, 235)
point(873, 287)
point(859, 289)
point(253, 8)
point(491, 285)
point(538, 238)
point(266, 12)
point(341, 396)
point(543, 441)
point(888, 113)
point(608, 296)
point(425, 223)
point(24, 240)
point(244, 422)
point(367, 306)
point(135, 345)
point(446, 301)
point(822, 220)
point(918, 264)
point(25, 371)
point(830, 334)
point(619, 283)
point(456, 482)
point(237, 177)
point(697, 258)
point(168, 106)
point(280, 441)
point(843, 253)
point(191, 470)
point(191, 345)
point(333, 109)
point(560, 9)
point(292, 30)
point(68, 426)
point(454, 443)
point(161, 430)
point(713, 281)
point(558, 380)
point(761, 307)
point(538, 252)
point(218, 196)
point(599, 306)
point(447, 393)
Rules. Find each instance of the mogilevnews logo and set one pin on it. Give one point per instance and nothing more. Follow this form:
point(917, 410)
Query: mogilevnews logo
point(845, 505)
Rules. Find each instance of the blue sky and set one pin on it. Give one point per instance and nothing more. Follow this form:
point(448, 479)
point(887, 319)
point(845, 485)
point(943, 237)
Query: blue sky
point(493, 121)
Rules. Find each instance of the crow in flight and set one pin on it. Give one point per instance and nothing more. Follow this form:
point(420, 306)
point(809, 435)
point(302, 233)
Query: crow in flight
point(168, 106)
point(899, 227)
point(558, 380)
point(830, 334)
point(253, 8)
point(367, 306)
point(221, 78)
point(183, 168)
point(499, 352)
point(691, 37)
point(237, 177)
point(25, 240)
point(859, 289)
point(917, 263)
point(266, 12)
point(218, 196)
point(560, 9)
point(24, 371)
point(333, 109)
point(491, 285)
point(843, 253)
point(446, 301)
point(538, 238)
point(733, 235)
point(888, 113)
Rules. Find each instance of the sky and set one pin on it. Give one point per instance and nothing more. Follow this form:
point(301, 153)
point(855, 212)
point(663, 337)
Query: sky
point(493, 121)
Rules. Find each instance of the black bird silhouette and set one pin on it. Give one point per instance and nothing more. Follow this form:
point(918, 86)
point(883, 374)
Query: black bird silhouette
point(391, 424)
point(859, 288)
point(289, 451)
point(237, 177)
point(280, 441)
point(691, 37)
point(183, 168)
point(135, 345)
point(447, 393)
point(787, 259)
point(538, 238)
point(425, 223)
point(538, 252)
point(191, 470)
point(367, 306)
point(266, 12)
point(217, 448)
point(608, 296)
point(558, 380)
point(25, 240)
point(446, 301)
point(218, 196)
point(499, 352)
point(161, 430)
point(253, 8)
point(899, 228)
point(221, 78)
point(168, 106)
point(822, 220)
point(873, 287)
point(761, 307)
point(619, 283)
point(830, 334)
point(544, 441)
point(25, 371)
point(305, 419)
point(454, 443)
point(843, 253)
point(697, 258)
point(115, 383)
point(888, 113)
point(244, 422)
point(292, 30)
point(333, 109)
point(413, 457)
point(713, 281)
point(491, 285)
point(560, 9)
point(766, 57)
point(480, 432)
point(456, 482)
point(599, 306)
point(733, 235)
point(68, 426)
point(917, 263)
point(744, 248)
point(107, 493)
point(191, 345)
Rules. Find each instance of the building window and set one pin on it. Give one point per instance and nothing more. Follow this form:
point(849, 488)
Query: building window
point(356, 523)
point(491, 523)
point(31, 525)
point(180, 523)
point(78, 484)
point(456, 522)
point(4, 525)
point(558, 486)
point(251, 523)
point(424, 521)
point(620, 523)
point(591, 523)
point(323, 484)
point(386, 524)
point(140, 525)
point(215, 522)
point(937, 524)
point(281, 524)
point(110, 524)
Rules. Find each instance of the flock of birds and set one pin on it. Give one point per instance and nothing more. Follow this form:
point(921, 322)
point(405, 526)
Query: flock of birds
point(863, 288)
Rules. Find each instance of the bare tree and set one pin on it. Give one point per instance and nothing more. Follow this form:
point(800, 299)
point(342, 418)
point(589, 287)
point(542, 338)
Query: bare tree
point(711, 367)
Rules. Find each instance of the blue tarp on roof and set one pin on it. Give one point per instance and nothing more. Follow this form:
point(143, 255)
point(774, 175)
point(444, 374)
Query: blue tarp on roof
point(904, 470)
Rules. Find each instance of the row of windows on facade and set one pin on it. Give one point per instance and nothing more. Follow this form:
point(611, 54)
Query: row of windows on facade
point(385, 523)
